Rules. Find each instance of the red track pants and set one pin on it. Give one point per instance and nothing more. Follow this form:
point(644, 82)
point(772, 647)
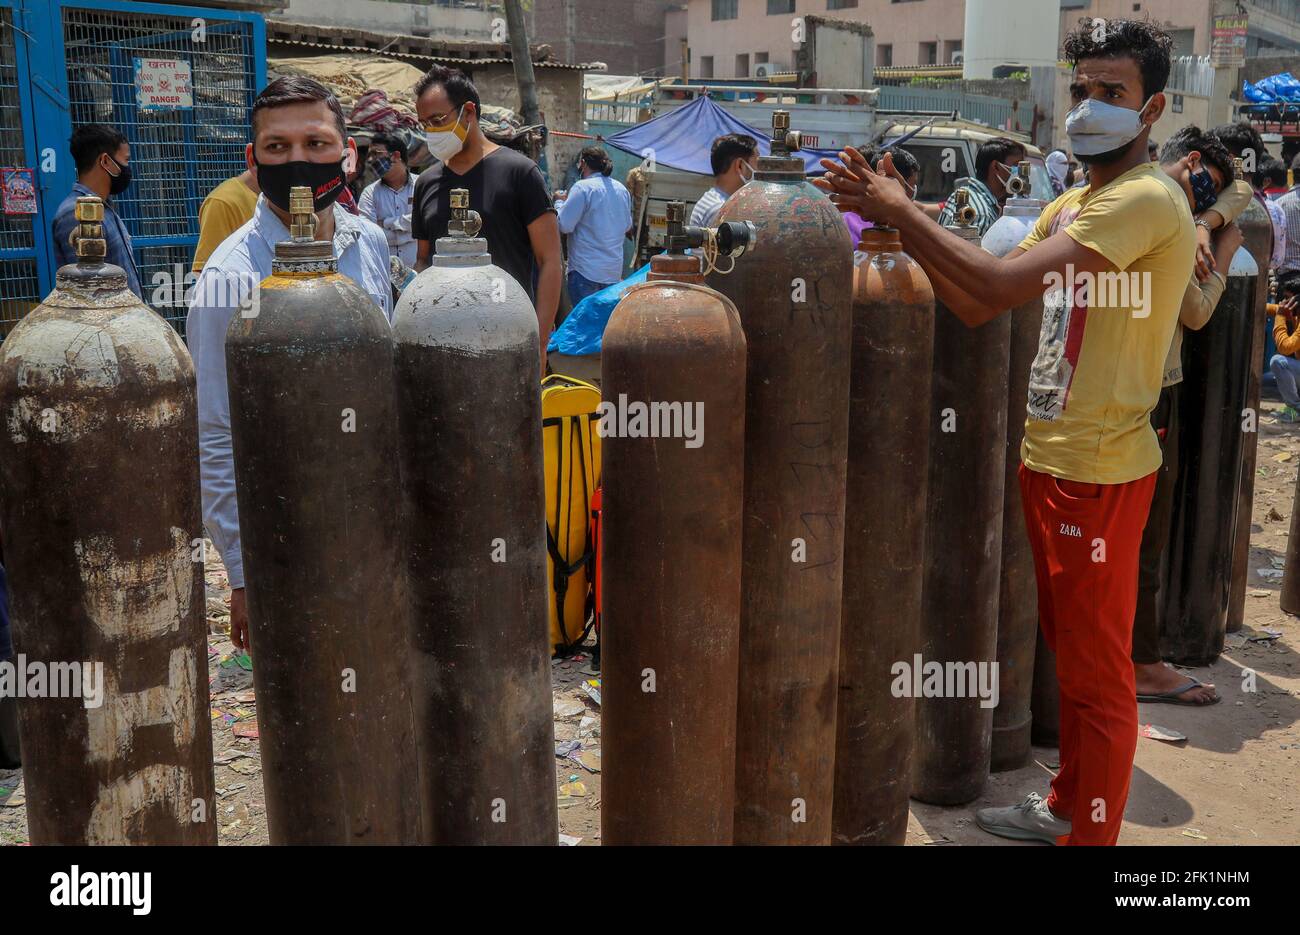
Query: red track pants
point(1086, 539)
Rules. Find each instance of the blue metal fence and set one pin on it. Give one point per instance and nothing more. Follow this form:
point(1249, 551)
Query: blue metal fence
point(77, 60)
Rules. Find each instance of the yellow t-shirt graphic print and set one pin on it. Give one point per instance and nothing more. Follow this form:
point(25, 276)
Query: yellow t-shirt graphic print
point(1102, 349)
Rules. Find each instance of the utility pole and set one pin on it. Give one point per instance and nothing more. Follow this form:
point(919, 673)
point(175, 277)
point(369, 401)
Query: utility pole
point(523, 61)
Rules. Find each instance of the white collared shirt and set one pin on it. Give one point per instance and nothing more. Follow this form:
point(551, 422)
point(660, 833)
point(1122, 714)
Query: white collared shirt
point(390, 208)
point(243, 260)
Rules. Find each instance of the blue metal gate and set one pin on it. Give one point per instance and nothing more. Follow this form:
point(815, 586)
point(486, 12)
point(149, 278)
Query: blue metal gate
point(73, 62)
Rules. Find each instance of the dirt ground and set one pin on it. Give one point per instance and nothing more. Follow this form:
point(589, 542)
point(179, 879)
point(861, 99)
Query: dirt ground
point(1233, 781)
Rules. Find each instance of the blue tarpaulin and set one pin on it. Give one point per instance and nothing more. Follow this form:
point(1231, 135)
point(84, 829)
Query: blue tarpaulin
point(681, 139)
point(584, 327)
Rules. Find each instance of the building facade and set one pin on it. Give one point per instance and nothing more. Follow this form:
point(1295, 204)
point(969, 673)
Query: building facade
point(629, 36)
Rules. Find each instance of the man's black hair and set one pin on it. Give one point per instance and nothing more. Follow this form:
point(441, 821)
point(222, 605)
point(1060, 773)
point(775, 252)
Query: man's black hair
point(460, 90)
point(1241, 138)
point(1288, 284)
point(904, 161)
point(298, 89)
point(1193, 139)
point(597, 160)
point(92, 140)
point(996, 150)
point(390, 141)
point(727, 149)
point(1272, 173)
point(1141, 40)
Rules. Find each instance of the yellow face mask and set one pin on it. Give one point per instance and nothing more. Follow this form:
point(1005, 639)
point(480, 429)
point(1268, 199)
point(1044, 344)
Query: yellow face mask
point(445, 142)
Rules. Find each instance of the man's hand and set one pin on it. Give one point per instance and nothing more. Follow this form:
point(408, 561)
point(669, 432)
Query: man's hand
point(239, 620)
point(1204, 254)
point(876, 196)
point(1287, 308)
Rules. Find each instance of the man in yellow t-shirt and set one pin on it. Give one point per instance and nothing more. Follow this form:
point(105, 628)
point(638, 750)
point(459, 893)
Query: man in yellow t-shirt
point(227, 208)
point(1112, 261)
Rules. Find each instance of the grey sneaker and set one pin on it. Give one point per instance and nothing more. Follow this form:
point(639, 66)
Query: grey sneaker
point(1029, 821)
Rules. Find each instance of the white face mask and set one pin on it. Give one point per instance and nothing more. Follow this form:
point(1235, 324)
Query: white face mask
point(445, 143)
point(1095, 127)
point(746, 172)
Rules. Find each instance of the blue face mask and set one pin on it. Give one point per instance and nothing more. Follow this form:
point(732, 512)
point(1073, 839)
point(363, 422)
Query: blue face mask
point(1095, 127)
point(1204, 191)
point(381, 166)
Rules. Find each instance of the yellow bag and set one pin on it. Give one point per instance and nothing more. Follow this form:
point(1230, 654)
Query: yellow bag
point(571, 452)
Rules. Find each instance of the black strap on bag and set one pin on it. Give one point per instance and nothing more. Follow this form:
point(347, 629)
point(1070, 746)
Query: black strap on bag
point(563, 569)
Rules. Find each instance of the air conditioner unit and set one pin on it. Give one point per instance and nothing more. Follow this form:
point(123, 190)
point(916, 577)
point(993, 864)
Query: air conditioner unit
point(958, 58)
point(768, 69)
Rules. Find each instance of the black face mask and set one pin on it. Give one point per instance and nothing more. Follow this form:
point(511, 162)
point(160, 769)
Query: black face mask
point(325, 179)
point(118, 183)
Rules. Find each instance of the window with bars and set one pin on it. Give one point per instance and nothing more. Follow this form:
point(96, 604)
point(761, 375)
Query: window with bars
point(724, 9)
point(779, 6)
point(19, 283)
point(178, 155)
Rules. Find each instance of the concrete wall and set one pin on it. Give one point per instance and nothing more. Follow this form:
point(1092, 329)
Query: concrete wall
point(411, 19)
point(1000, 32)
point(904, 25)
point(627, 35)
point(559, 95)
point(675, 25)
point(843, 58)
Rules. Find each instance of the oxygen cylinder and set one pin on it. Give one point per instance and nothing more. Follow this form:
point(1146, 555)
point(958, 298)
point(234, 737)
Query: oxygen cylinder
point(311, 417)
point(1018, 592)
point(794, 295)
point(1045, 700)
point(1214, 391)
point(1257, 228)
point(103, 546)
point(1290, 596)
point(884, 547)
point(963, 539)
point(671, 522)
point(469, 412)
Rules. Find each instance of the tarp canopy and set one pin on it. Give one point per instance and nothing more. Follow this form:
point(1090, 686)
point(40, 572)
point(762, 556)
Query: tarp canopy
point(681, 139)
point(599, 87)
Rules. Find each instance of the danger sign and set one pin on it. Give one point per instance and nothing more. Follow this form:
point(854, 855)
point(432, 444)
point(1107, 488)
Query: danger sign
point(163, 84)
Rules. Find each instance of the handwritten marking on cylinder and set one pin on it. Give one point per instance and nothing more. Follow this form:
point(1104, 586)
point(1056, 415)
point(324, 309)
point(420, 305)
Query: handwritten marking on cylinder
point(135, 599)
point(498, 550)
point(349, 420)
point(1099, 810)
point(1248, 420)
point(948, 420)
point(1099, 550)
point(648, 681)
point(798, 290)
point(498, 290)
point(799, 550)
point(798, 811)
point(110, 727)
point(198, 811)
point(1249, 682)
point(118, 802)
point(349, 680)
point(499, 810)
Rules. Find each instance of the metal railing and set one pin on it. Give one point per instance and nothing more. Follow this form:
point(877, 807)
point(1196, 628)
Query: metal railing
point(996, 112)
point(1191, 74)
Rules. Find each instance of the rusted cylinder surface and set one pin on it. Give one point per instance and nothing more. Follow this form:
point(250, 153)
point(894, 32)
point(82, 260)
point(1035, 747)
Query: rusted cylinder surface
point(1257, 228)
point(470, 417)
point(1045, 701)
point(1214, 391)
point(884, 549)
point(311, 412)
point(793, 291)
point(963, 545)
point(1290, 596)
point(1018, 590)
point(103, 538)
point(671, 532)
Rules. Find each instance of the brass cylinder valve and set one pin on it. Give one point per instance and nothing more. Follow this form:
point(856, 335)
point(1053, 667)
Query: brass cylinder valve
point(1019, 183)
point(964, 212)
point(89, 235)
point(302, 214)
point(463, 221)
point(784, 140)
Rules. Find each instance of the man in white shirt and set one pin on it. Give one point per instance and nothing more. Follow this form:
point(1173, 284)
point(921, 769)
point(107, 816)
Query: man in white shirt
point(596, 215)
point(299, 138)
point(388, 200)
point(733, 159)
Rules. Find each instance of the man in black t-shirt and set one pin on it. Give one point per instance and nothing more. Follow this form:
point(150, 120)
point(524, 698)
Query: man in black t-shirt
point(505, 188)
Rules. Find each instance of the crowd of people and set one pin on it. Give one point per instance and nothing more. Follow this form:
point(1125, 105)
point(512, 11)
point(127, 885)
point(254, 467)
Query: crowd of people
point(1099, 454)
